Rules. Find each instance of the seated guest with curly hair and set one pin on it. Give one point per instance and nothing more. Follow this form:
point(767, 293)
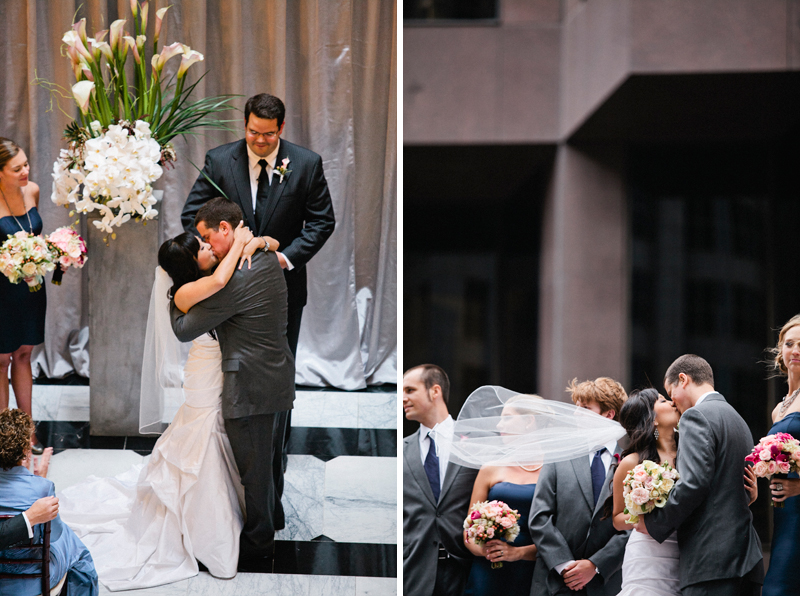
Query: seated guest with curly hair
point(19, 489)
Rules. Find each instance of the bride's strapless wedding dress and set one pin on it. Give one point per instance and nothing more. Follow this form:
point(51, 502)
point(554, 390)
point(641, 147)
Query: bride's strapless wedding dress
point(650, 568)
point(147, 526)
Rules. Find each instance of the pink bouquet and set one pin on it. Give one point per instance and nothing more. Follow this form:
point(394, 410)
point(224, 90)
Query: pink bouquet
point(775, 454)
point(488, 520)
point(69, 250)
point(26, 257)
point(646, 487)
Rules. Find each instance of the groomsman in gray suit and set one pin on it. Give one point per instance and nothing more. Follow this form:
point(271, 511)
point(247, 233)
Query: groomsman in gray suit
point(435, 492)
point(579, 551)
point(709, 507)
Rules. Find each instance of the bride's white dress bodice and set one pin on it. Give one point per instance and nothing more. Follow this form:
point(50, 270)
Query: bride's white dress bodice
point(147, 526)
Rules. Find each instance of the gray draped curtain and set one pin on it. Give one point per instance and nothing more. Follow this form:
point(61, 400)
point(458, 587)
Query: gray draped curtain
point(333, 62)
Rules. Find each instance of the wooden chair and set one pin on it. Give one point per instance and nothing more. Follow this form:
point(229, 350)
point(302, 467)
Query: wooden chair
point(43, 559)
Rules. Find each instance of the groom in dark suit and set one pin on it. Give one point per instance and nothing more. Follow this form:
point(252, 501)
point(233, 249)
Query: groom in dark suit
point(720, 550)
point(249, 318)
point(281, 189)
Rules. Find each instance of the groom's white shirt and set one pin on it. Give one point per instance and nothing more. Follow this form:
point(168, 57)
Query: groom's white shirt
point(702, 397)
point(606, 458)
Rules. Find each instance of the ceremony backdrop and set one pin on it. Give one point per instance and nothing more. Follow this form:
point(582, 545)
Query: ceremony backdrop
point(333, 64)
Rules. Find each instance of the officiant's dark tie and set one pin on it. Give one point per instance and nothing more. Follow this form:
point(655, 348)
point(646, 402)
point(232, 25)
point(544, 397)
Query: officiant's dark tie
point(432, 468)
point(598, 474)
point(262, 193)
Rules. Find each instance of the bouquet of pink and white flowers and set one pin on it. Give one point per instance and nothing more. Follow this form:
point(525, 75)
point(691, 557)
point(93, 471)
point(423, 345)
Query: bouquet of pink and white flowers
point(775, 454)
point(488, 520)
point(646, 487)
point(26, 257)
point(69, 250)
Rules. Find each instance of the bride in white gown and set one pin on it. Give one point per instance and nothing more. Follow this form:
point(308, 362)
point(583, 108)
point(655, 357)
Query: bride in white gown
point(649, 568)
point(150, 525)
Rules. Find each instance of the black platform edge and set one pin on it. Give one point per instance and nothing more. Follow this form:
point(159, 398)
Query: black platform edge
point(327, 558)
point(327, 443)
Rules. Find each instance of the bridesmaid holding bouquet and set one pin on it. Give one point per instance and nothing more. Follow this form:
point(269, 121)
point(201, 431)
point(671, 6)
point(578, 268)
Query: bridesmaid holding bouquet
point(22, 323)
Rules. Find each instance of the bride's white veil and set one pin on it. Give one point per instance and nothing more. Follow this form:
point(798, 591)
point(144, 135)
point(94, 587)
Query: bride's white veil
point(499, 427)
point(162, 362)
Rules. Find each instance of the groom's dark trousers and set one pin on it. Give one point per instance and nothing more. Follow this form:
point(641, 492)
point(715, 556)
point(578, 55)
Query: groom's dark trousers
point(720, 552)
point(249, 317)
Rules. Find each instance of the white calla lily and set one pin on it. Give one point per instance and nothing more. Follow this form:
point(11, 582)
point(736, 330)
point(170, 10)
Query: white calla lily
point(159, 21)
point(115, 39)
point(82, 92)
point(188, 59)
point(167, 52)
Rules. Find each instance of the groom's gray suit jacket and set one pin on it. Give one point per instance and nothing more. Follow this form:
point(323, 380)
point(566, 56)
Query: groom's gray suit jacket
point(709, 505)
point(566, 525)
point(249, 317)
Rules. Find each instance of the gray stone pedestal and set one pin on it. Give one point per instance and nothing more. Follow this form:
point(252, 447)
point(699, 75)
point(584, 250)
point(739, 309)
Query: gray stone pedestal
point(120, 282)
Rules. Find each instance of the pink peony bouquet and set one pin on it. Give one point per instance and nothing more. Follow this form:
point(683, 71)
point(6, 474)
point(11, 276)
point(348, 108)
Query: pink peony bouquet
point(646, 487)
point(488, 520)
point(26, 257)
point(69, 250)
point(775, 454)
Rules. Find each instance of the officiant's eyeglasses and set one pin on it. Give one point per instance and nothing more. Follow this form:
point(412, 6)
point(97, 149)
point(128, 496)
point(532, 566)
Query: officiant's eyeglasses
point(266, 135)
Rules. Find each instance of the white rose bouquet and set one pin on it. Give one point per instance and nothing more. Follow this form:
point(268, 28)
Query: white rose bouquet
point(646, 487)
point(26, 257)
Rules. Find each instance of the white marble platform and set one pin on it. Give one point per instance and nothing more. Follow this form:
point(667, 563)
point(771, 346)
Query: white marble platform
point(347, 499)
point(328, 409)
point(257, 584)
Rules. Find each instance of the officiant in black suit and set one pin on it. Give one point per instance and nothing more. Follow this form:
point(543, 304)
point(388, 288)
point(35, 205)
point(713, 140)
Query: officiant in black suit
point(282, 191)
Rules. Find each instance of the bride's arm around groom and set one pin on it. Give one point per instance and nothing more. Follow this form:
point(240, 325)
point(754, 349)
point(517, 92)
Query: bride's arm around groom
point(720, 551)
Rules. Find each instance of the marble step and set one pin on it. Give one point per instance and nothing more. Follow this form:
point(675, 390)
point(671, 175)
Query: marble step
point(319, 409)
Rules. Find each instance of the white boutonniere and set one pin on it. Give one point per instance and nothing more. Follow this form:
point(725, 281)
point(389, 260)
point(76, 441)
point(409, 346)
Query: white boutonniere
point(281, 169)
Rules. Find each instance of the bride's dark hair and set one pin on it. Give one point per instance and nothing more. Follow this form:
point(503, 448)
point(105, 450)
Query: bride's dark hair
point(178, 257)
point(637, 417)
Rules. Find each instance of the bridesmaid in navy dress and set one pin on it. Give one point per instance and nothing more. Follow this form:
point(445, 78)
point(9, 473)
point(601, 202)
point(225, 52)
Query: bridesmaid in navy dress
point(781, 579)
point(513, 485)
point(22, 321)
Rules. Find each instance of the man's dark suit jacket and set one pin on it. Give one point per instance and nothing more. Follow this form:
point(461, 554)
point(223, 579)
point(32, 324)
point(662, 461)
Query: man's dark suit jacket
point(299, 211)
point(708, 505)
point(249, 316)
point(12, 531)
point(428, 523)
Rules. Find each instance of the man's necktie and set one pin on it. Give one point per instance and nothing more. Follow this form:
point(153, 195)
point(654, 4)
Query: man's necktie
point(262, 192)
point(432, 468)
point(598, 474)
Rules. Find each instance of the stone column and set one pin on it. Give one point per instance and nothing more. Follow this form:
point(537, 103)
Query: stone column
point(584, 313)
point(120, 282)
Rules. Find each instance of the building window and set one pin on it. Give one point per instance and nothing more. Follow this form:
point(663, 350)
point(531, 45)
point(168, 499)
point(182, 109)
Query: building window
point(437, 10)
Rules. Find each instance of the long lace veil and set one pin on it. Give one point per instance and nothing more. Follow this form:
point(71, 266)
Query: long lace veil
point(162, 362)
point(499, 427)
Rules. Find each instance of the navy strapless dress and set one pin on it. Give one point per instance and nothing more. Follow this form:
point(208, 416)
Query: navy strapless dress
point(22, 321)
point(512, 579)
point(782, 577)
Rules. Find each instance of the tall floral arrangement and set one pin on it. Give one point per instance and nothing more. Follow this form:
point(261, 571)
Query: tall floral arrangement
point(121, 141)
